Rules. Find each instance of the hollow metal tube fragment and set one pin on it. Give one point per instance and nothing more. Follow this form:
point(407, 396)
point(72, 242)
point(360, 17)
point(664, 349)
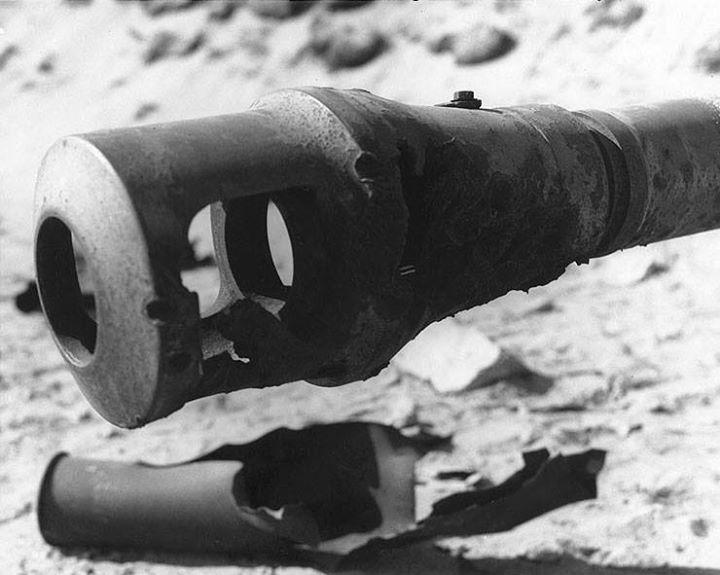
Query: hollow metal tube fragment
point(398, 216)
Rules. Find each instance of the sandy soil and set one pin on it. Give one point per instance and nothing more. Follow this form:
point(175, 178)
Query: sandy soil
point(630, 343)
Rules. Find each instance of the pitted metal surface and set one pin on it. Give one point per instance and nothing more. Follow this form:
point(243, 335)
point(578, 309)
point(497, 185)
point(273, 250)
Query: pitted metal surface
point(398, 216)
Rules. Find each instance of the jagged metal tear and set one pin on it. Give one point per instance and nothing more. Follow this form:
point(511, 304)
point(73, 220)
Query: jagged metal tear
point(340, 493)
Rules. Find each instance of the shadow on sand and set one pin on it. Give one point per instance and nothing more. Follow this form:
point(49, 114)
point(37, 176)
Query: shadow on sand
point(420, 559)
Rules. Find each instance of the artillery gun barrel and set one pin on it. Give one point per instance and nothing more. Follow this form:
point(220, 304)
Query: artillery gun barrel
point(398, 216)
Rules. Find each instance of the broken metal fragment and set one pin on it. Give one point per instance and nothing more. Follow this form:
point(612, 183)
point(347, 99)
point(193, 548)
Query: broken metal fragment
point(533, 461)
point(326, 493)
point(331, 487)
point(544, 484)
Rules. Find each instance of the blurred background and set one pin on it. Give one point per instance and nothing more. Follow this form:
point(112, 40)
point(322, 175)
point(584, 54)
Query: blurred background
point(621, 354)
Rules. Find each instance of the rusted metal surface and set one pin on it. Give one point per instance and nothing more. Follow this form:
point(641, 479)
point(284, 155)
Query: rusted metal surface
point(398, 216)
point(343, 490)
point(321, 486)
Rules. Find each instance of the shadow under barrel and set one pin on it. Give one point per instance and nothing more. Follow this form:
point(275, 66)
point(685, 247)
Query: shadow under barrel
point(398, 216)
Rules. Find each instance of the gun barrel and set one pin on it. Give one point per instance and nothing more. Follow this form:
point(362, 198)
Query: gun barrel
point(398, 216)
point(666, 161)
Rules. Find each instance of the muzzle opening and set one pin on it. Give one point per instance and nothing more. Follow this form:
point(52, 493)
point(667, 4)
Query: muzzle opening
point(66, 307)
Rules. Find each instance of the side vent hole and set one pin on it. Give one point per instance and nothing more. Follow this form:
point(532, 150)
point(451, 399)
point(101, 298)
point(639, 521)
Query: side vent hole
point(198, 269)
point(281, 250)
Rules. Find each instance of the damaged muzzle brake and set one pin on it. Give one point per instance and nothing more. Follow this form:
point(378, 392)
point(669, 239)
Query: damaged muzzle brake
point(398, 216)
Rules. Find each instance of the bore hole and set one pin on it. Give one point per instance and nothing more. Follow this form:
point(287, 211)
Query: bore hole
point(367, 166)
point(160, 310)
point(199, 271)
point(280, 244)
point(60, 276)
